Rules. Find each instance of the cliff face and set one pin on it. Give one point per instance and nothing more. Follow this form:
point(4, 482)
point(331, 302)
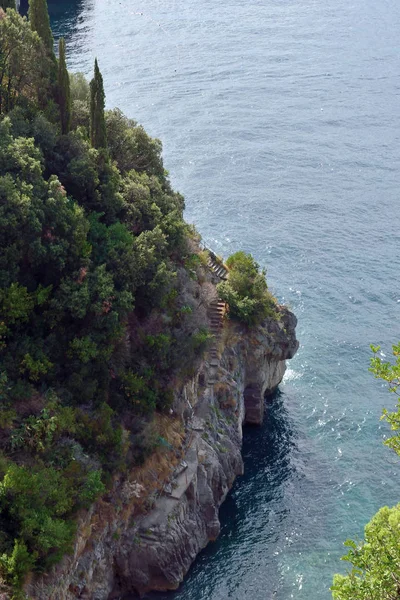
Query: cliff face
point(121, 549)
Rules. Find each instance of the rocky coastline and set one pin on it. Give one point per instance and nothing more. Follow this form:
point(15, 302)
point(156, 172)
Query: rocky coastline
point(121, 549)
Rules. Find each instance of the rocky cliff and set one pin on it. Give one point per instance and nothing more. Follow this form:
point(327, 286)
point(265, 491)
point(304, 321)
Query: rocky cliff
point(136, 541)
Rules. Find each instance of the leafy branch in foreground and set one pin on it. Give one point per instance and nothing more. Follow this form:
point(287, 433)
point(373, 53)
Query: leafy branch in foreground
point(390, 373)
point(375, 573)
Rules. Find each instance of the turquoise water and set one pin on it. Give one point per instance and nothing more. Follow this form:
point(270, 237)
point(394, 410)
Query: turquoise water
point(281, 124)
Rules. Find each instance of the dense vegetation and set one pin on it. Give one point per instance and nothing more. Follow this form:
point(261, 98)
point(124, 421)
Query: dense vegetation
point(246, 291)
point(375, 571)
point(101, 310)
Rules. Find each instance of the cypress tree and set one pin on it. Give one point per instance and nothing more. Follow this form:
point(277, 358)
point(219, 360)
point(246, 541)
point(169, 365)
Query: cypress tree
point(64, 93)
point(7, 4)
point(98, 134)
point(40, 22)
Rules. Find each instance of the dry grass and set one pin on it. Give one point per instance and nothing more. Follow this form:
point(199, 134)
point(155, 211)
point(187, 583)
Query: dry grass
point(152, 476)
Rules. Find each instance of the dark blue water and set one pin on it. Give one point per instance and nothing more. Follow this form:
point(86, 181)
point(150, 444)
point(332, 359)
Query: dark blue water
point(281, 125)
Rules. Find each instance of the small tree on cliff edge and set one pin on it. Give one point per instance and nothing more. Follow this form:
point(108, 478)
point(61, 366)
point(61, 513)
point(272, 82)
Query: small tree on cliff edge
point(64, 94)
point(7, 4)
point(40, 22)
point(98, 134)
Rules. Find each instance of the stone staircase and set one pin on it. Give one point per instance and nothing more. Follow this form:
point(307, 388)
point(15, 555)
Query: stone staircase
point(215, 265)
point(216, 313)
point(184, 472)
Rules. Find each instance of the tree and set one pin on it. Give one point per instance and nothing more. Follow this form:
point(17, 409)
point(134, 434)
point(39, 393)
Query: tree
point(375, 573)
point(40, 22)
point(7, 4)
point(376, 561)
point(98, 134)
point(246, 291)
point(64, 94)
point(23, 62)
point(131, 147)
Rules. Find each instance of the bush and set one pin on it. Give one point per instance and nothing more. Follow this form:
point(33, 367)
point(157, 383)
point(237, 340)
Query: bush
point(93, 488)
point(200, 340)
point(16, 566)
point(37, 502)
point(140, 395)
point(246, 291)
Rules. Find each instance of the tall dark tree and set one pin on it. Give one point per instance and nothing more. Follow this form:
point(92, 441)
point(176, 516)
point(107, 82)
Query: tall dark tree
point(40, 22)
point(98, 134)
point(7, 4)
point(64, 93)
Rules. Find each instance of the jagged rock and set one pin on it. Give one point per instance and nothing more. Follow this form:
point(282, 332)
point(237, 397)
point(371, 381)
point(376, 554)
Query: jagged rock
point(268, 347)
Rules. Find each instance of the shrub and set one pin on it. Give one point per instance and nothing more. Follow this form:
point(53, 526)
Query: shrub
point(93, 488)
point(36, 433)
point(246, 291)
point(200, 340)
point(139, 393)
point(16, 566)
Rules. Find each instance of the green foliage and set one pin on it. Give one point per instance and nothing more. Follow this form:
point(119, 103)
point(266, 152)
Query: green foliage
point(36, 433)
point(390, 373)
point(132, 148)
point(100, 435)
point(139, 393)
point(79, 87)
point(35, 502)
point(16, 304)
point(93, 488)
point(80, 101)
point(375, 561)
point(64, 94)
point(246, 291)
point(16, 565)
point(84, 348)
point(201, 339)
point(35, 368)
point(23, 63)
point(98, 133)
point(375, 572)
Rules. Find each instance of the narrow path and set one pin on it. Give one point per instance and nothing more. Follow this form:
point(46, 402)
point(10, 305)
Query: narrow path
point(216, 313)
point(184, 472)
point(216, 266)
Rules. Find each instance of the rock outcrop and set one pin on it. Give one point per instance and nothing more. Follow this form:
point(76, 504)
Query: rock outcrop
point(121, 549)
